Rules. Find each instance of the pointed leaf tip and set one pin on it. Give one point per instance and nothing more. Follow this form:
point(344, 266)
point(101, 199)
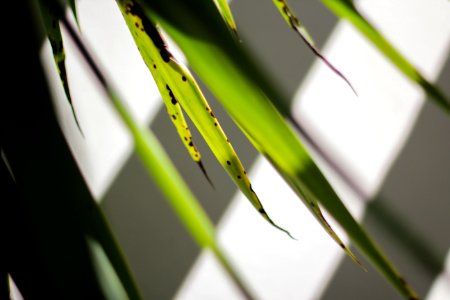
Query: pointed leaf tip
point(292, 20)
point(53, 30)
point(202, 167)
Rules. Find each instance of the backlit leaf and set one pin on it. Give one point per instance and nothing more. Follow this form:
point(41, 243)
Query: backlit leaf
point(53, 30)
point(299, 28)
point(245, 91)
point(347, 10)
point(159, 166)
point(178, 86)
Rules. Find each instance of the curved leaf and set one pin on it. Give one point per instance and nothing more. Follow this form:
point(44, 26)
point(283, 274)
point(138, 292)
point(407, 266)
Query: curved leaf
point(173, 107)
point(53, 30)
point(162, 170)
point(347, 10)
point(181, 88)
point(292, 20)
point(245, 92)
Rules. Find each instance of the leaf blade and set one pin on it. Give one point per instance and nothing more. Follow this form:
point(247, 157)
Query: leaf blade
point(161, 169)
point(346, 9)
point(292, 20)
point(53, 30)
point(231, 75)
point(181, 88)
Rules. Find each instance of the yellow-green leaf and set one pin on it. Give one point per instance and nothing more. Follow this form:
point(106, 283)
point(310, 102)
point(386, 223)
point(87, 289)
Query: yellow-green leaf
point(159, 166)
point(347, 10)
point(249, 97)
point(225, 11)
point(73, 8)
point(143, 41)
point(182, 89)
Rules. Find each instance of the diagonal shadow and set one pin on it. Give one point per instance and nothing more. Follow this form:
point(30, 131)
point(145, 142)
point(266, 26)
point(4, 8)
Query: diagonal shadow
point(409, 216)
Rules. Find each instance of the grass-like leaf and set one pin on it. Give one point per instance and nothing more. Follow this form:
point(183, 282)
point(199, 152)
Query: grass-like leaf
point(178, 86)
point(73, 8)
point(147, 49)
point(346, 9)
point(243, 90)
point(225, 11)
point(108, 280)
point(51, 23)
point(159, 166)
point(292, 20)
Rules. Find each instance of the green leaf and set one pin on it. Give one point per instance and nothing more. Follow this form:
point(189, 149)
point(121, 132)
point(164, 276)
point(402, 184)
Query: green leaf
point(51, 23)
point(46, 207)
point(245, 92)
point(73, 8)
point(108, 280)
point(148, 50)
point(346, 9)
point(225, 11)
point(177, 86)
point(161, 169)
point(291, 19)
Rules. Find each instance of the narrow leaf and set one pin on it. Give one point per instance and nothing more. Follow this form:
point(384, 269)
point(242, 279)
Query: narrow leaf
point(244, 90)
point(176, 114)
point(225, 11)
point(159, 166)
point(263, 117)
point(51, 23)
point(73, 8)
point(299, 28)
point(181, 88)
point(347, 10)
point(108, 280)
point(142, 40)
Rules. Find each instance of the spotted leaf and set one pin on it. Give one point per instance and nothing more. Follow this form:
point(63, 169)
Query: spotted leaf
point(152, 59)
point(156, 162)
point(250, 98)
point(182, 89)
point(299, 28)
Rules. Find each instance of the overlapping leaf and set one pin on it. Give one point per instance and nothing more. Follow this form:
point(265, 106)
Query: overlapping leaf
point(53, 30)
point(346, 9)
point(292, 20)
point(177, 86)
point(159, 166)
point(245, 92)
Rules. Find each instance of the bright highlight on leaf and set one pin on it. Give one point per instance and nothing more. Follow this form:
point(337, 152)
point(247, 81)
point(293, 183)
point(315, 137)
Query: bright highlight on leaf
point(53, 30)
point(347, 10)
point(159, 166)
point(225, 11)
point(151, 56)
point(250, 97)
point(178, 86)
point(294, 23)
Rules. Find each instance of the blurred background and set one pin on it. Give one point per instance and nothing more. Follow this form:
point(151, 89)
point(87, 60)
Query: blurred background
point(390, 141)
